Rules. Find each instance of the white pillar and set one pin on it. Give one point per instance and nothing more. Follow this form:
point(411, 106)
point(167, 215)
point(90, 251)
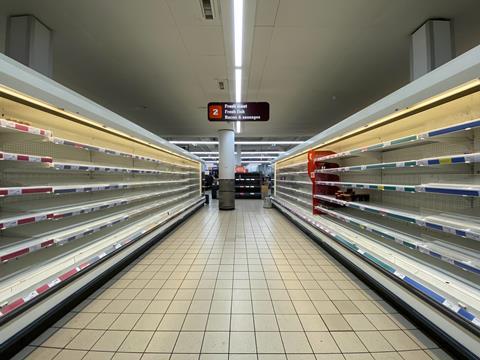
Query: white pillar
point(226, 169)
point(30, 42)
point(238, 156)
point(431, 46)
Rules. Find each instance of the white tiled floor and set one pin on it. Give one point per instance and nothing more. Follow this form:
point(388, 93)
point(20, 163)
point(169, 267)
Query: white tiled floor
point(239, 285)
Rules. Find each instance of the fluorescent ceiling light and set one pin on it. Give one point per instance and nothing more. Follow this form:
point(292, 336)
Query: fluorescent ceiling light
point(190, 142)
point(268, 142)
point(200, 142)
point(242, 152)
point(262, 152)
point(243, 157)
point(238, 85)
point(257, 162)
point(238, 95)
point(238, 31)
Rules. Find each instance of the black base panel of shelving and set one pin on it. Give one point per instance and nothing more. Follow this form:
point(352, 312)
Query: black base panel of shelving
point(448, 344)
point(11, 347)
point(238, 196)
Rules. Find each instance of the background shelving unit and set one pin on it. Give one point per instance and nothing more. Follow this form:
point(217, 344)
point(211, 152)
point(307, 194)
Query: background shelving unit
point(404, 196)
point(293, 183)
point(73, 192)
point(248, 185)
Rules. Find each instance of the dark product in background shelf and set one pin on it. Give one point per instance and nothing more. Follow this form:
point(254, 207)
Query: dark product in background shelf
point(248, 185)
point(350, 195)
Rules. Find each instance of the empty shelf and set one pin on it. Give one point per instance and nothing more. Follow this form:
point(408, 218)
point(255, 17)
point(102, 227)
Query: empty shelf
point(469, 261)
point(88, 147)
point(456, 223)
point(55, 213)
point(305, 193)
point(442, 160)
point(77, 231)
point(114, 169)
point(404, 141)
point(369, 186)
point(79, 188)
point(447, 189)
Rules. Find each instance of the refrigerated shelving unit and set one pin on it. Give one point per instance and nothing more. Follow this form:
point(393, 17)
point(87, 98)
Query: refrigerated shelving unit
point(414, 156)
point(81, 191)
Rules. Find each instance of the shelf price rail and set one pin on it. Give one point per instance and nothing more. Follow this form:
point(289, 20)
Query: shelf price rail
point(446, 189)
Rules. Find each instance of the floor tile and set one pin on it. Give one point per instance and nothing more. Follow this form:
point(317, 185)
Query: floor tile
point(322, 342)
point(374, 341)
point(242, 342)
point(269, 342)
point(289, 323)
point(399, 340)
point(125, 322)
point(136, 341)
point(348, 342)
point(296, 342)
point(171, 322)
point(189, 342)
point(265, 323)
point(312, 323)
point(162, 342)
point(60, 338)
point(195, 322)
point(148, 322)
point(216, 342)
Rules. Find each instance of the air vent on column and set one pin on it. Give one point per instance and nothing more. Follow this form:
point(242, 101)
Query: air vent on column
point(207, 9)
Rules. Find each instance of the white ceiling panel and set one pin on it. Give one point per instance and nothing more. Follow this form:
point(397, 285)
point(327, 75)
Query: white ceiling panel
point(266, 12)
point(204, 40)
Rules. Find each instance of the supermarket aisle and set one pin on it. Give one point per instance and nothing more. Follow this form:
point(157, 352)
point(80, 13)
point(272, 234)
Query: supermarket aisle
point(234, 285)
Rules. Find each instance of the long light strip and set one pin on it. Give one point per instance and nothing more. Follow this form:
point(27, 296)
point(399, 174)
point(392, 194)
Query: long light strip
point(238, 94)
point(243, 158)
point(238, 31)
point(238, 48)
point(246, 162)
point(192, 142)
point(243, 152)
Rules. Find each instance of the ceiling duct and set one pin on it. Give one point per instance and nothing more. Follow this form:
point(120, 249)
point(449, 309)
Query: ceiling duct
point(207, 9)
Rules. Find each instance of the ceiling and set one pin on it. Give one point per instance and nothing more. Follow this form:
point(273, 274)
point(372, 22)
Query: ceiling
point(158, 62)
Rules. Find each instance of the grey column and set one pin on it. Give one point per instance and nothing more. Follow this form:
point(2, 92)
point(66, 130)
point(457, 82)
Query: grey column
point(29, 41)
point(238, 156)
point(226, 169)
point(431, 46)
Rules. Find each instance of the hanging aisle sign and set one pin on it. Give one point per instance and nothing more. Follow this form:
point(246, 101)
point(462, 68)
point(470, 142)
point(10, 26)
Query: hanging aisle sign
point(245, 111)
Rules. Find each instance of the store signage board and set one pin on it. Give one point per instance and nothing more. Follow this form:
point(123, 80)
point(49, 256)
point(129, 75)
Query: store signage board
point(245, 111)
